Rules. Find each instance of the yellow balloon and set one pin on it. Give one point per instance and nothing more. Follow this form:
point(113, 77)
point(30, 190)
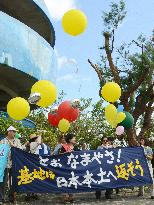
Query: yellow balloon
point(47, 91)
point(120, 117)
point(111, 92)
point(112, 116)
point(74, 22)
point(18, 108)
point(110, 113)
point(64, 125)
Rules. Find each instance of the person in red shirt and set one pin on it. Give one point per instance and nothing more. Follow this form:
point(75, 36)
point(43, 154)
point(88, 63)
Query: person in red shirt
point(69, 146)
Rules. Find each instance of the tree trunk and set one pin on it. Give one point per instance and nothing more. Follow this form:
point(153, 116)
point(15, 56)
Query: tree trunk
point(131, 135)
point(147, 124)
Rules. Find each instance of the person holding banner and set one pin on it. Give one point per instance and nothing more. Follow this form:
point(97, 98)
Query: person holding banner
point(149, 155)
point(32, 147)
point(105, 145)
point(61, 141)
point(13, 142)
point(34, 143)
point(110, 142)
point(42, 149)
point(69, 146)
point(36, 146)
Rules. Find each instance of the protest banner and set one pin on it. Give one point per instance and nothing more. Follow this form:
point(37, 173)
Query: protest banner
point(81, 171)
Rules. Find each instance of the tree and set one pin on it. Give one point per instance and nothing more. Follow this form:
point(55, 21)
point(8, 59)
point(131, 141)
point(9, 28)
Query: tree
point(89, 128)
point(7, 122)
point(134, 72)
point(91, 125)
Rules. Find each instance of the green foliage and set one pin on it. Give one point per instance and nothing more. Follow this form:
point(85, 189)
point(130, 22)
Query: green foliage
point(89, 128)
point(7, 122)
point(91, 125)
point(115, 16)
point(49, 134)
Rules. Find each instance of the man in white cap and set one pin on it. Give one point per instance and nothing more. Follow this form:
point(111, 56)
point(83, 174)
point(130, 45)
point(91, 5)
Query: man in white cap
point(13, 142)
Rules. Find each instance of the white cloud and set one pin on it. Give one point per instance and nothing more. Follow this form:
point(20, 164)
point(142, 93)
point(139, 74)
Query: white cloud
point(65, 61)
point(57, 8)
point(70, 73)
point(73, 78)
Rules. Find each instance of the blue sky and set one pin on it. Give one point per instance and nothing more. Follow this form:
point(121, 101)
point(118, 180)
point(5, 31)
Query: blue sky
point(75, 76)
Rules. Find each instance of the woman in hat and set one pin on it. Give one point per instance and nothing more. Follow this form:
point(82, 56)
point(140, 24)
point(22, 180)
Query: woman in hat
point(34, 143)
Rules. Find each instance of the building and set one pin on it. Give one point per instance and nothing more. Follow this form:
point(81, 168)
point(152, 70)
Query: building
point(27, 39)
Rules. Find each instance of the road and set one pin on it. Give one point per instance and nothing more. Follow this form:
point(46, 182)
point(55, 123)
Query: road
point(125, 197)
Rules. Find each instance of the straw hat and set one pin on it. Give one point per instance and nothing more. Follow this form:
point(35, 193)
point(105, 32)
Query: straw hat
point(32, 136)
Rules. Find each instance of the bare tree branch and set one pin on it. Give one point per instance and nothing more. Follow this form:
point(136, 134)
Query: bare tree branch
point(144, 74)
point(142, 78)
point(97, 70)
point(114, 70)
point(112, 41)
point(137, 43)
point(141, 102)
point(132, 88)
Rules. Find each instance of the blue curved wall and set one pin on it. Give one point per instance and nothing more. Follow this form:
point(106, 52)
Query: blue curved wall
point(26, 50)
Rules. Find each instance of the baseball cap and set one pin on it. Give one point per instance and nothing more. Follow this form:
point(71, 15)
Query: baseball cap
point(11, 128)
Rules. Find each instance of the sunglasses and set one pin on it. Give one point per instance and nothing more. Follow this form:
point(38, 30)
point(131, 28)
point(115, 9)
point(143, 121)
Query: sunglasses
point(105, 140)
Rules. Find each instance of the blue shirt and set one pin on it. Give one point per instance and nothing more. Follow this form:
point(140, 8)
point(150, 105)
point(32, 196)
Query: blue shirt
point(59, 146)
point(43, 149)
